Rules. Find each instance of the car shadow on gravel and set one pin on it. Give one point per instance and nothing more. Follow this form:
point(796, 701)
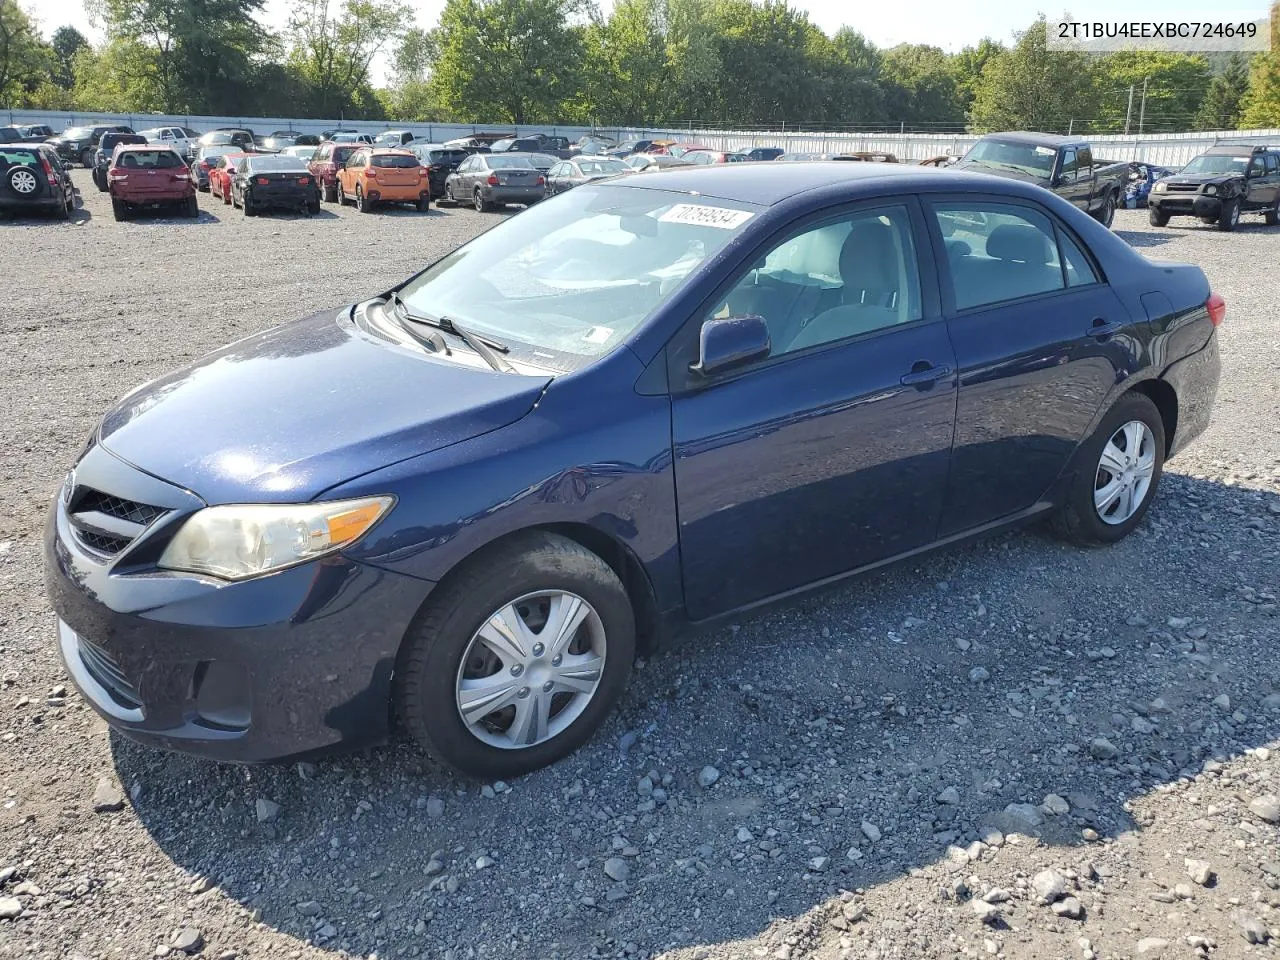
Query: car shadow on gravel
point(79, 215)
point(1148, 238)
point(1014, 685)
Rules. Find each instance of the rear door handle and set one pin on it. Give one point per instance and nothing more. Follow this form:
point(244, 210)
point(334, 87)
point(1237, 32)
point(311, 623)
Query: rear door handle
point(1103, 328)
point(924, 373)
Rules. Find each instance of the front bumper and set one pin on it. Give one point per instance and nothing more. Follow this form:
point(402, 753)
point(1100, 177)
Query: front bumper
point(284, 665)
point(1185, 204)
point(71, 151)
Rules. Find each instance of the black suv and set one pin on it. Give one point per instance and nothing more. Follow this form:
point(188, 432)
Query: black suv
point(102, 156)
point(440, 161)
point(81, 143)
point(33, 177)
point(1223, 182)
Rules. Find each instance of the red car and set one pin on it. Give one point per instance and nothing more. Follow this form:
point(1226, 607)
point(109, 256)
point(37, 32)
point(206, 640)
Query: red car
point(324, 166)
point(680, 149)
point(149, 177)
point(220, 174)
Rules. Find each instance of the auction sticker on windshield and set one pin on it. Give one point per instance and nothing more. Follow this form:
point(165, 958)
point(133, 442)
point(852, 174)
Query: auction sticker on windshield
point(704, 216)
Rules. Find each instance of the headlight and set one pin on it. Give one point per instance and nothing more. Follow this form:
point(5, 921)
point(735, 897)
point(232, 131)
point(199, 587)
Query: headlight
point(1161, 186)
point(247, 540)
point(1210, 189)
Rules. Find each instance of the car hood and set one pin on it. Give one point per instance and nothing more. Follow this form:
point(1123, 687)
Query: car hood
point(290, 412)
point(1202, 178)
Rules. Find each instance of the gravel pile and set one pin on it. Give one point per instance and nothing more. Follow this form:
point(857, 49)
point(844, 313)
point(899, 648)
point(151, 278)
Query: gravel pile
point(1013, 748)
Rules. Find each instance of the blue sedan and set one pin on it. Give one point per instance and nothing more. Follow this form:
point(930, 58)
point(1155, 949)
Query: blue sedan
point(470, 502)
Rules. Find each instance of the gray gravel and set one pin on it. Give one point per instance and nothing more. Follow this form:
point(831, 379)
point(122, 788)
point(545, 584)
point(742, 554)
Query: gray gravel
point(822, 780)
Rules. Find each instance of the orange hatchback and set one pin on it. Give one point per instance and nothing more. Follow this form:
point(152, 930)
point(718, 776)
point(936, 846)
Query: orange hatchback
point(374, 175)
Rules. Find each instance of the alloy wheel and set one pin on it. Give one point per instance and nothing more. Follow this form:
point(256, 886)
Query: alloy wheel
point(1125, 468)
point(531, 669)
point(23, 181)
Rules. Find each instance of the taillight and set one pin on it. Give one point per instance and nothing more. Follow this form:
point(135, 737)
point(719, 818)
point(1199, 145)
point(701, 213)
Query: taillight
point(542, 181)
point(435, 167)
point(304, 180)
point(48, 170)
point(422, 173)
point(117, 174)
point(261, 181)
point(493, 180)
point(1217, 308)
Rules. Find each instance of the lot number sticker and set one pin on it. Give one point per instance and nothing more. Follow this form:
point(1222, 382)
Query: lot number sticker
point(703, 216)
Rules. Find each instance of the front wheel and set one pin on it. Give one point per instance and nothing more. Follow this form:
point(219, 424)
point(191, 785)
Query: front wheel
point(342, 197)
point(362, 203)
point(477, 200)
point(1120, 470)
point(519, 659)
point(1157, 218)
point(1272, 216)
point(1230, 216)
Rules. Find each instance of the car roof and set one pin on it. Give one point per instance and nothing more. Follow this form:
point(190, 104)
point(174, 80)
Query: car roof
point(768, 183)
point(1024, 136)
point(382, 151)
point(1239, 149)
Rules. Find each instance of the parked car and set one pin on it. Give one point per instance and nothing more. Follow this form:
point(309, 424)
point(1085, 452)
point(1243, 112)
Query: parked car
point(544, 478)
point(651, 163)
point(679, 149)
point(206, 159)
point(866, 156)
point(79, 144)
point(357, 138)
point(222, 173)
point(380, 175)
point(542, 162)
point(568, 174)
point(182, 139)
point(15, 135)
point(106, 148)
point(330, 134)
point(325, 164)
point(469, 144)
point(41, 130)
point(395, 138)
point(702, 158)
point(1219, 185)
point(803, 157)
point(440, 161)
point(759, 153)
point(1065, 165)
point(942, 160)
point(303, 152)
point(242, 139)
point(277, 140)
point(627, 147)
point(34, 178)
point(659, 146)
point(492, 180)
point(147, 178)
point(594, 140)
point(264, 181)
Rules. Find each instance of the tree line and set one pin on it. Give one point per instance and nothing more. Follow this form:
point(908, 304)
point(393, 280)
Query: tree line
point(648, 63)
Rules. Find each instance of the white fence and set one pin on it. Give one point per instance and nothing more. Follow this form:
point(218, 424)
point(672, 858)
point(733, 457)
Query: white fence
point(1163, 149)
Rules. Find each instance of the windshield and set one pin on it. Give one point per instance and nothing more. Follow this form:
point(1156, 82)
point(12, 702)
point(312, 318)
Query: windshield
point(280, 163)
point(1027, 157)
point(1217, 163)
point(606, 168)
point(79, 133)
point(571, 278)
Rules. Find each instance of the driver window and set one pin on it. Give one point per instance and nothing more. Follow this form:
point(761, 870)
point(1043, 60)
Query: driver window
point(840, 279)
point(1255, 166)
point(1069, 164)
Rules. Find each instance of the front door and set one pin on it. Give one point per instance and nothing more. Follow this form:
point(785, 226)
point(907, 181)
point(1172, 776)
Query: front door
point(1041, 340)
point(832, 453)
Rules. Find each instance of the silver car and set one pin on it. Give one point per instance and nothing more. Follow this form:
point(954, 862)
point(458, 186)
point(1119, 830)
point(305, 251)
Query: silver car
point(490, 180)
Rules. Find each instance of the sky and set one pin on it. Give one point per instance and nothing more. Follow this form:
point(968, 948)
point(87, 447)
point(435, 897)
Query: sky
point(949, 24)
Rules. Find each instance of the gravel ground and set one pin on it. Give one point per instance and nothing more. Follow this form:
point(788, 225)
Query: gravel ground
point(1012, 748)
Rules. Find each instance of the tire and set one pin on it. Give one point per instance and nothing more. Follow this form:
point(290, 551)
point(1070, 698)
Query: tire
point(119, 210)
point(478, 201)
point(86, 159)
point(192, 207)
point(362, 204)
point(342, 197)
point(99, 180)
point(1230, 216)
point(24, 182)
point(1272, 216)
point(313, 207)
point(1079, 518)
point(247, 202)
point(64, 211)
point(1157, 218)
point(331, 192)
point(429, 668)
point(424, 204)
point(448, 194)
point(1108, 212)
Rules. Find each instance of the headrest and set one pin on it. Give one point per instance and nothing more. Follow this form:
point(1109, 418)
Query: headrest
point(1020, 242)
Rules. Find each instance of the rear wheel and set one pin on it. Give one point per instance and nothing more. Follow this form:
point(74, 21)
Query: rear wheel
point(519, 659)
point(249, 209)
point(64, 211)
point(119, 209)
point(331, 193)
point(1272, 216)
point(100, 180)
point(1108, 212)
point(193, 207)
point(1120, 470)
point(424, 203)
point(313, 207)
point(1230, 216)
point(448, 193)
point(1157, 218)
point(86, 158)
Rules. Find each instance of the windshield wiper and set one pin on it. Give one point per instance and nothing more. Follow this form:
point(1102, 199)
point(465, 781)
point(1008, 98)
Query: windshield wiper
point(486, 347)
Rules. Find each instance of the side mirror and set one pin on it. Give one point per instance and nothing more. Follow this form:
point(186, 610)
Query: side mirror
point(728, 342)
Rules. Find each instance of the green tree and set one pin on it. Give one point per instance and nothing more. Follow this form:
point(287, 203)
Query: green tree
point(513, 60)
point(66, 42)
point(1224, 100)
point(1029, 87)
point(333, 51)
point(123, 76)
point(1262, 102)
point(968, 65)
point(853, 90)
point(625, 69)
point(920, 87)
point(750, 35)
point(1176, 84)
point(409, 97)
point(24, 58)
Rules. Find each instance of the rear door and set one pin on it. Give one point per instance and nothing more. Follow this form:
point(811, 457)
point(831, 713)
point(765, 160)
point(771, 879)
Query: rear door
point(517, 176)
point(1041, 340)
point(395, 170)
point(832, 453)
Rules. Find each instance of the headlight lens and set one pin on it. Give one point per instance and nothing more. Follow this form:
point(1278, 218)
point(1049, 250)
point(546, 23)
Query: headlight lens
point(239, 541)
point(1210, 189)
point(1161, 186)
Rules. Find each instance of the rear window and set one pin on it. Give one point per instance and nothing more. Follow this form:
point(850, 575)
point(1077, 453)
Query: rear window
point(17, 158)
point(150, 159)
point(394, 160)
point(505, 163)
point(276, 164)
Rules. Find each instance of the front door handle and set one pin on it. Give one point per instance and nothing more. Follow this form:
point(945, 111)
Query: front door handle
point(1103, 328)
point(924, 373)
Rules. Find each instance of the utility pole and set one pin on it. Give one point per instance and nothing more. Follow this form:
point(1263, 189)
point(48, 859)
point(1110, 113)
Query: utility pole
point(1128, 111)
point(1142, 112)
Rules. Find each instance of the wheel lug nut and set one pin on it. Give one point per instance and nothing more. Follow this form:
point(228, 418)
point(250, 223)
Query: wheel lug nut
point(523, 692)
point(547, 687)
point(516, 670)
point(538, 649)
point(556, 660)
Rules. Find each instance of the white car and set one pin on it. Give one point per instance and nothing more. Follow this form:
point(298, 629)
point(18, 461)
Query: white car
point(302, 153)
point(181, 139)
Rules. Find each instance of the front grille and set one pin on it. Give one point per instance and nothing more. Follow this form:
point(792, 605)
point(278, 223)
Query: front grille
point(102, 542)
point(103, 668)
point(118, 507)
point(1183, 187)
